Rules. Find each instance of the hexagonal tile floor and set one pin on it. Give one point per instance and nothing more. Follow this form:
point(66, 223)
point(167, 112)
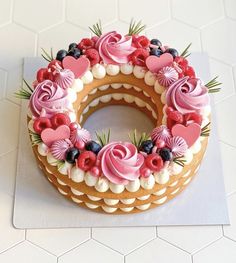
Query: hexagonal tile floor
point(25, 27)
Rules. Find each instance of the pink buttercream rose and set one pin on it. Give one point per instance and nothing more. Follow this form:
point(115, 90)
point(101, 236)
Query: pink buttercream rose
point(187, 95)
point(48, 98)
point(120, 162)
point(114, 48)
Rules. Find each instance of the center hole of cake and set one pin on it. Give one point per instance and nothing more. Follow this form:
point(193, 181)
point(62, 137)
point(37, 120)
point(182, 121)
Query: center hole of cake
point(121, 120)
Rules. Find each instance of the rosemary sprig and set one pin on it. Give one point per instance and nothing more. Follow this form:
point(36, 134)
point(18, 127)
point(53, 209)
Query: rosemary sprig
point(35, 138)
point(97, 28)
point(135, 27)
point(186, 52)
point(205, 132)
point(137, 141)
point(179, 160)
point(24, 93)
point(103, 137)
point(46, 55)
point(212, 84)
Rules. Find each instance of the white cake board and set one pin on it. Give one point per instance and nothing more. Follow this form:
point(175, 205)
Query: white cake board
point(39, 205)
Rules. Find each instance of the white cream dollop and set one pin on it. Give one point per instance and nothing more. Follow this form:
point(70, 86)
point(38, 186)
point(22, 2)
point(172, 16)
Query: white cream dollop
point(175, 168)
point(127, 201)
point(42, 149)
point(51, 160)
point(162, 177)
point(112, 70)
point(126, 68)
point(139, 72)
point(87, 77)
point(111, 201)
point(98, 71)
point(65, 168)
point(147, 182)
point(102, 185)
point(158, 88)
point(117, 188)
point(77, 174)
point(150, 78)
point(77, 85)
point(133, 186)
point(90, 179)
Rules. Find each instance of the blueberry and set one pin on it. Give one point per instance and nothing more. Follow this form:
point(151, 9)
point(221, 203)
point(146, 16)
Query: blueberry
point(165, 154)
point(72, 154)
point(93, 146)
point(156, 42)
point(172, 51)
point(74, 52)
point(156, 52)
point(146, 146)
point(61, 54)
point(72, 45)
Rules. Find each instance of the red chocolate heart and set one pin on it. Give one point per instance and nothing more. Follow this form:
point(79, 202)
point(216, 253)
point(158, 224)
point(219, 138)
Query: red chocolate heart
point(189, 133)
point(77, 66)
point(49, 135)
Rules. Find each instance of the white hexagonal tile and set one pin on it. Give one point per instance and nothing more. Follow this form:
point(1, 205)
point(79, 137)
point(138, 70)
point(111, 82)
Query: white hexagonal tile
point(87, 13)
point(91, 252)
point(9, 126)
point(158, 251)
point(226, 120)
point(14, 83)
point(8, 172)
point(223, 250)
point(225, 77)
point(151, 13)
point(230, 230)
point(58, 241)
point(134, 237)
point(9, 235)
point(178, 38)
point(118, 26)
point(186, 10)
point(181, 235)
point(16, 43)
point(3, 82)
point(42, 13)
point(5, 12)
point(230, 7)
point(219, 40)
point(228, 154)
point(59, 37)
point(27, 253)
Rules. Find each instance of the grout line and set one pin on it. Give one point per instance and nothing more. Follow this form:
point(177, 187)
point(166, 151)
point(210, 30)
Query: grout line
point(231, 193)
point(227, 143)
point(11, 247)
point(71, 249)
point(156, 231)
point(212, 22)
point(209, 244)
point(105, 245)
point(36, 245)
point(231, 239)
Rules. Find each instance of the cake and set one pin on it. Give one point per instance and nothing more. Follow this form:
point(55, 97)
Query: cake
point(118, 177)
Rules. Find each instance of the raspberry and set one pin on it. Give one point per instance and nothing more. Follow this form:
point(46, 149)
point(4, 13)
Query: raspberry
point(93, 56)
point(144, 171)
point(86, 160)
point(160, 143)
point(139, 56)
point(60, 119)
point(73, 126)
point(41, 74)
point(176, 116)
point(86, 43)
point(170, 123)
point(190, 72)
point(54, 64)
point(41, 123)
point(154, 162)
point(192, 117)
point(169, 109)
point(141, 42)
point(181, 61)
point(80, 145)
point(95, 171)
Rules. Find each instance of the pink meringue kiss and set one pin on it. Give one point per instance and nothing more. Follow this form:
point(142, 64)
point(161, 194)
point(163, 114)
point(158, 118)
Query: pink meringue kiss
point(166, 76)
point(64, 78)
point(177, 145)
point(59, 148)
point(80, 134)
point(120, 162)
point(160, 133)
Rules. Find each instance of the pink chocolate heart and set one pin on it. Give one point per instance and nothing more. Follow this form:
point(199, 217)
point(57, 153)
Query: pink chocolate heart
point(190, 133)
point(49, 135)
point(77, 66)
point(154, 63)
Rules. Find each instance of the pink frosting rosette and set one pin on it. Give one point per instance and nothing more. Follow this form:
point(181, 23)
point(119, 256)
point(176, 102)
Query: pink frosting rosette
point(114, 48)
point(187, 95)
point(48, 98)
point(120, 162)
